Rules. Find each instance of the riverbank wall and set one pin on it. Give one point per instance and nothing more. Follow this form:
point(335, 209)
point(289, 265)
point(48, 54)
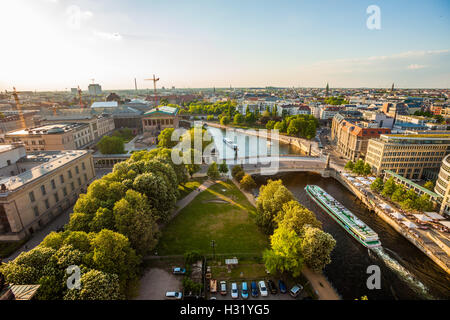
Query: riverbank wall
point(308, 147)
point(383, 215)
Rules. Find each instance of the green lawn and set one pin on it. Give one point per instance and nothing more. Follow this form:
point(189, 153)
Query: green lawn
point(226, 220)
point(190, 186)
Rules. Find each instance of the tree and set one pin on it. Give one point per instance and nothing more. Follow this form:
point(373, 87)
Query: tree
point(399, 194)
point(359, 167)
point(377, 185)
point(213, 171)
point(238, 119)
point(349, 166)
point(429, 185)
point(235, 170)
point(165, 138)
point(223, 168)
point(111, 145)
point(210, 118)
point(285, 254)
point(96, 285)
point(225, 120)
point(295, 216)
point(247, 182)
point(135, 219)
point(389, 187)
point(270, 124)
point(367, 169)
point(271, 198)
point(316, 248)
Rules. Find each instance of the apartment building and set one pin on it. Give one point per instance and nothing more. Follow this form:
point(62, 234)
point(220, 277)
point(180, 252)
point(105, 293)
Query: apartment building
point(65, 136)
point(352, 136)
point(49, 182)
point(442, 186)
point(408, 155)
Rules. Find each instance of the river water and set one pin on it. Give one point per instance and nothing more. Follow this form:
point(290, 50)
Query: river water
point(406, 272)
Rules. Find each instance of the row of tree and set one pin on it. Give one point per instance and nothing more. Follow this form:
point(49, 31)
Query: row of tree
point(303, 126)
point(407, 199)
point(359, 167)
point(296, 235)
point(245, 180)
point(113, 225)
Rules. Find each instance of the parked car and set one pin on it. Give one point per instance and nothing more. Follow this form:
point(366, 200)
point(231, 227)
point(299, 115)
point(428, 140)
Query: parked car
point(282, 286)
point(244, 290)
point(223, 288)
point(234, 291)
point(295, 290)
point(254, 289)
point(172, 295)
point(178, 270)
point(272, 288)
point(263, 288)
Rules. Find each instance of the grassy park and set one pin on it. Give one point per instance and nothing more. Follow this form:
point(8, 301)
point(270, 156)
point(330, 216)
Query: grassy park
point(221, 213)
point(190, 186)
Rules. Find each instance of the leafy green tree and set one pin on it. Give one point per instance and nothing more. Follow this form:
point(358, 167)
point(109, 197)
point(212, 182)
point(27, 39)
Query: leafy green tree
point(235, 170)
point(225, 120)
point(270, 124)
point(238, 119)
point(223, 168)
point(135, 219)
point(295, 216)
point(349, 165)
point(165, 138)
point(367, 169)
point(247, 182)
point(53, 240)
point(103, 219)
point(389, 187)
point(213, 171)
point(399, 194)
point(316, 248)
point(377, 185)
point(210, 118)
point(429, 185)
point(285, 254)
point(78, 240)
point(111, 145)
point(271, 198)
point(359, 167)
point(96, 285)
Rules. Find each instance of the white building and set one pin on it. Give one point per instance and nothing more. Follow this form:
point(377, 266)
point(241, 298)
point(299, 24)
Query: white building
point(95, 89)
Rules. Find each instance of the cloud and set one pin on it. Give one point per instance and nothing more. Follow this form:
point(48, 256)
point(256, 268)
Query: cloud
point(75, 16)
point(108, 36)
point(415, 66)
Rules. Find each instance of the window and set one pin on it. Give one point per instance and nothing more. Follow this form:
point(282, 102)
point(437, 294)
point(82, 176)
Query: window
point(70, 174)
point(56, 197)
point(64, 191)
point(8, 162)
point(79, 181)
point(53, 184)
point(36, 211)
point(47, 205)
point(83, 166)
point(61, 177)
point(44, 192)
point(77, 170)
point(32, 198)
point(72, 185)
point(85, 178)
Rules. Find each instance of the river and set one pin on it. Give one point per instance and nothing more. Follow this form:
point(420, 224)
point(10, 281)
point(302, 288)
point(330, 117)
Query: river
point(406, 272)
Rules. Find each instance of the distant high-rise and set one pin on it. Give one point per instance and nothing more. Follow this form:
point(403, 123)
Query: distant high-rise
point(392, 89)
point(327, 89)
point(95, 89)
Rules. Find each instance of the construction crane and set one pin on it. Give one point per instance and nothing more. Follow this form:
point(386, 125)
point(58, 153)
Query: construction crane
point(15, 94)
point(154, 79)
point(79, 97)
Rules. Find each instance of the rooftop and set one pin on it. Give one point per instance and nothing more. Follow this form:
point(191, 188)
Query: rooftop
point(105, 104)
point(46, 162)
point(163, 110)
point(56, 128)
point(413, 184)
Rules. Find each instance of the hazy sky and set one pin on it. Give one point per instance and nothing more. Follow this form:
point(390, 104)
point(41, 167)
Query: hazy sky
point(58, 44)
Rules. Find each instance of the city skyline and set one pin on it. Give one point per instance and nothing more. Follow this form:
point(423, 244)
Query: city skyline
point(209, 44)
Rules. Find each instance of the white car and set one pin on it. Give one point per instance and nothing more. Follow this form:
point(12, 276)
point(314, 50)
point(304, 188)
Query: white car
point(263, 289)
point(172, 295)
point(234, 291)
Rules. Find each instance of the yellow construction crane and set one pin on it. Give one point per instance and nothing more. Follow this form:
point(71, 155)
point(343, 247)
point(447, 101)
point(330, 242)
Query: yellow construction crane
point(154, 79)
point(15, 94)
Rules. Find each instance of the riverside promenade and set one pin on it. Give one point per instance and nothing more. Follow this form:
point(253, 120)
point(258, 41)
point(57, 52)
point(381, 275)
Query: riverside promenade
point(430, 242)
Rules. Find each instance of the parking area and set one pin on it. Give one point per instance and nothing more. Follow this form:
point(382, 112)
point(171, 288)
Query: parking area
point(156, 282)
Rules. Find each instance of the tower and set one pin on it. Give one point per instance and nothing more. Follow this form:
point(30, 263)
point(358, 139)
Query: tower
point(327, 89)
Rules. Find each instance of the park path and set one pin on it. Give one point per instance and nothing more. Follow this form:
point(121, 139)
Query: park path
point(320, 284)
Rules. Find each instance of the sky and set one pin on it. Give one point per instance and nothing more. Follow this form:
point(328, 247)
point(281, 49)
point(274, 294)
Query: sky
point(59, 44)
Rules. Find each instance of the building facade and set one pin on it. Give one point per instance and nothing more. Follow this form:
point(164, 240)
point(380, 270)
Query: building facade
point(49, 183)
point(442, 186)
point(158, 119)
point(67, 136)
point(407, 155)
